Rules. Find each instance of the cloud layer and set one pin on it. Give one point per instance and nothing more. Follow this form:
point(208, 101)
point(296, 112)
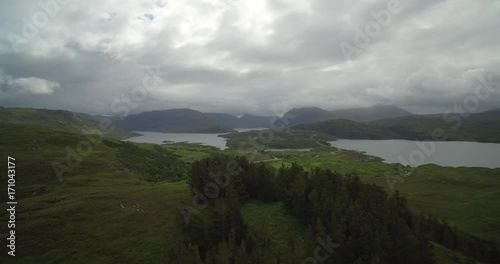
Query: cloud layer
point(29, 85)
point(247, 56)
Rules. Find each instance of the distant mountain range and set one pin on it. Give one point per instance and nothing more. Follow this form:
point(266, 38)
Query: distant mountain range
point(192, 121)
point(378, 122)
point(174, 121)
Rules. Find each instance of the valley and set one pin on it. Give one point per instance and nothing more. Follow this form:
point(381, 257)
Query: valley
point(130, 193)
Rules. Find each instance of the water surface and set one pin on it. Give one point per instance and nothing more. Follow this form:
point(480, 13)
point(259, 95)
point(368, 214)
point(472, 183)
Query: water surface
point(415, 153)
point(194, 138)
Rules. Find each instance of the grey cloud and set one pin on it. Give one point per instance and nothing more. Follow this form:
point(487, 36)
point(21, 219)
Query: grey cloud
point(26, 85)
point(250, 56)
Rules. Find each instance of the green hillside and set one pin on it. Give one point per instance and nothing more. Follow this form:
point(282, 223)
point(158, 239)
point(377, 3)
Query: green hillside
point(276, 139)
point(307, 115)
point(110, 196)
point(60, 120)
point(120, 203)
point(347, 129)
point(480, 127)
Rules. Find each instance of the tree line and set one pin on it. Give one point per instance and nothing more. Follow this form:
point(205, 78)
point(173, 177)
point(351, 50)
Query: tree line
point(367, 224)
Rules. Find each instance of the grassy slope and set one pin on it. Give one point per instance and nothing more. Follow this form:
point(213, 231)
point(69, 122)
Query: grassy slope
point(446, 256)
point(468, 198)
point(82, 219)
point(56, 119)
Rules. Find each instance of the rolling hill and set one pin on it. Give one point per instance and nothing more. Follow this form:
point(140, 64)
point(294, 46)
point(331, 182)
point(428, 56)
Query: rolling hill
point(367, 114)
point(173, 121)
point(116, 193)
point(57, 119)
point(347, 129)
point(479, 127)
point(306, 115)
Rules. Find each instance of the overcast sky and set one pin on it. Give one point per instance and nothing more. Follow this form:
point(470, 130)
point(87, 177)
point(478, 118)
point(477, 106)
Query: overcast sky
point(254, 56)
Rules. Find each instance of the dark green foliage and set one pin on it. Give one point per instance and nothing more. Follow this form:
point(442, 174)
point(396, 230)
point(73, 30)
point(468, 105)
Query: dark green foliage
point(276, 139)
point(154, 165)
point(369, 225)
point(220, 222)
point(361, 217)
point(259, 182)
point(249, 180)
